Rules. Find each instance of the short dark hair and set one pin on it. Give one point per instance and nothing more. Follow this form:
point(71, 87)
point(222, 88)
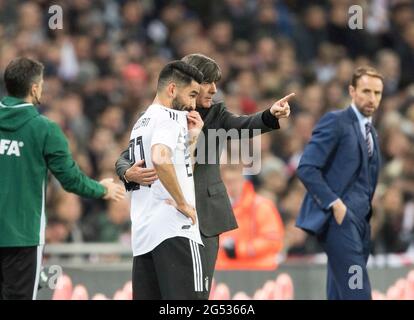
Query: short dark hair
point(365, 71)
point(209, 67)
point(179, 72)
point(20, 74)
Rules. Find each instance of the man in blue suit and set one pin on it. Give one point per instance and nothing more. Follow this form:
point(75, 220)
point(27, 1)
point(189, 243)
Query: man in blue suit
point(339, 168)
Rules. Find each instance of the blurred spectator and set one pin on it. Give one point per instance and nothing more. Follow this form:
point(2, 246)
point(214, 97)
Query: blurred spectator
point(296, 241)
point(396, 231)
point(110, 226)
point(273, 179)
point(68, 211)
point(389, 66)
point(255, 244)
point(311, 33)
point(56, 231)
point(407, 53)
point(239, 13)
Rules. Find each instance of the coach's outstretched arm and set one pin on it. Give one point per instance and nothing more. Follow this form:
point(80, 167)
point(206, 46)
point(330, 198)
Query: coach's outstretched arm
point(266, 121)
point(65, 169)
point(325, 138)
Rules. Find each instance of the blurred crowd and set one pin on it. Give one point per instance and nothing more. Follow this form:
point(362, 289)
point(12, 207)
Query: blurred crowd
point(101, 71)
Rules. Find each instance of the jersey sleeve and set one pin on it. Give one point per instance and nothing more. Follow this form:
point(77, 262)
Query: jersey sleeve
point(59, 160)
point(166, 131)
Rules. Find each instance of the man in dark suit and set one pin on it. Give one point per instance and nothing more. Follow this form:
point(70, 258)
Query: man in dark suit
point(212, 203)
point(339, 168)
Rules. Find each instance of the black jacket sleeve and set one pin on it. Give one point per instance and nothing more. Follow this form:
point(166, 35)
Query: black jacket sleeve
point(264, 121)
point(122, 165)
point(270, 120)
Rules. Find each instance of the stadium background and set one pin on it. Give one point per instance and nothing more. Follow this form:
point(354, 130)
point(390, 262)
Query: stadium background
point(101, 71)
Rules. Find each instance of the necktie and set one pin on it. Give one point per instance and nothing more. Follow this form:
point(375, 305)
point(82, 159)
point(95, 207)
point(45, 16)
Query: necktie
point(368, 128)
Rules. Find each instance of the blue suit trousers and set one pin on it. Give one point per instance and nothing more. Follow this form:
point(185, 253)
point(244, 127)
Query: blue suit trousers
point(347, 247)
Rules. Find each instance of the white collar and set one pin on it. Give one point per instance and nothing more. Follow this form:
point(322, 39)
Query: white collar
point(157, 105)
point(360, 116)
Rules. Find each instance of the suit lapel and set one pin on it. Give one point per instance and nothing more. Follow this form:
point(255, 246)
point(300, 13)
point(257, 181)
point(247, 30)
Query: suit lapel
point(376, 148)
point(360, 137)
point(375, 139)
point(209, 117)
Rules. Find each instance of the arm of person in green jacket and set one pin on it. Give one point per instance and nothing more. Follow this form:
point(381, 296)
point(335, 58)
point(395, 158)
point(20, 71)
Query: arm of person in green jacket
point(60, 162)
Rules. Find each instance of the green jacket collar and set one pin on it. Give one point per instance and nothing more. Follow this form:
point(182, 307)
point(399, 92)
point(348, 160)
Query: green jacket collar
point(10, 101)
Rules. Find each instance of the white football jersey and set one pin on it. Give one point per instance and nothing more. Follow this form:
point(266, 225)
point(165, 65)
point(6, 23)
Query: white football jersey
point(153, 220)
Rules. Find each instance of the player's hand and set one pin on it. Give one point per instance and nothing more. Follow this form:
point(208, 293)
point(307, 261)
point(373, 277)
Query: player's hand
point(339, 211)
point(195, 124)
point(113, 190)
point(138, 174)
point(281, 109)
point(185, 209)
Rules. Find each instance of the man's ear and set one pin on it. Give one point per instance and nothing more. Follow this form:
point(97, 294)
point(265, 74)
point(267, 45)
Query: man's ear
point(33, 89)
point(351, 90)
point(172, 90)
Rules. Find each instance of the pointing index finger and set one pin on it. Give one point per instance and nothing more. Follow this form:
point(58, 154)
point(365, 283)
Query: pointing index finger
point(286, 98)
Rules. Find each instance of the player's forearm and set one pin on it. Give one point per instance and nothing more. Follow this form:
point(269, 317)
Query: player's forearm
point(166, 174)
point(161, 159)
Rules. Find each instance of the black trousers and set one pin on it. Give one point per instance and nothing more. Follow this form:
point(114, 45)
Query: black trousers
point(19, 272)
point(174, 270)
point(210, 249)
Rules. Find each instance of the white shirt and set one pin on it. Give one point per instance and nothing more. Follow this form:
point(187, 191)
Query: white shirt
point(362, 120)
point(153, 220)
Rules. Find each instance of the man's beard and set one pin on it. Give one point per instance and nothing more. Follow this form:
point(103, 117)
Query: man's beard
point(177, 104)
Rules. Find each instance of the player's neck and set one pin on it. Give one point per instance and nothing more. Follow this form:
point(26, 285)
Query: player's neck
point(165, 102)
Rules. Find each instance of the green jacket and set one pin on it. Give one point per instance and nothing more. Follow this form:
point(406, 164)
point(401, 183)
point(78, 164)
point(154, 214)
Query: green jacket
point(30, 144)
